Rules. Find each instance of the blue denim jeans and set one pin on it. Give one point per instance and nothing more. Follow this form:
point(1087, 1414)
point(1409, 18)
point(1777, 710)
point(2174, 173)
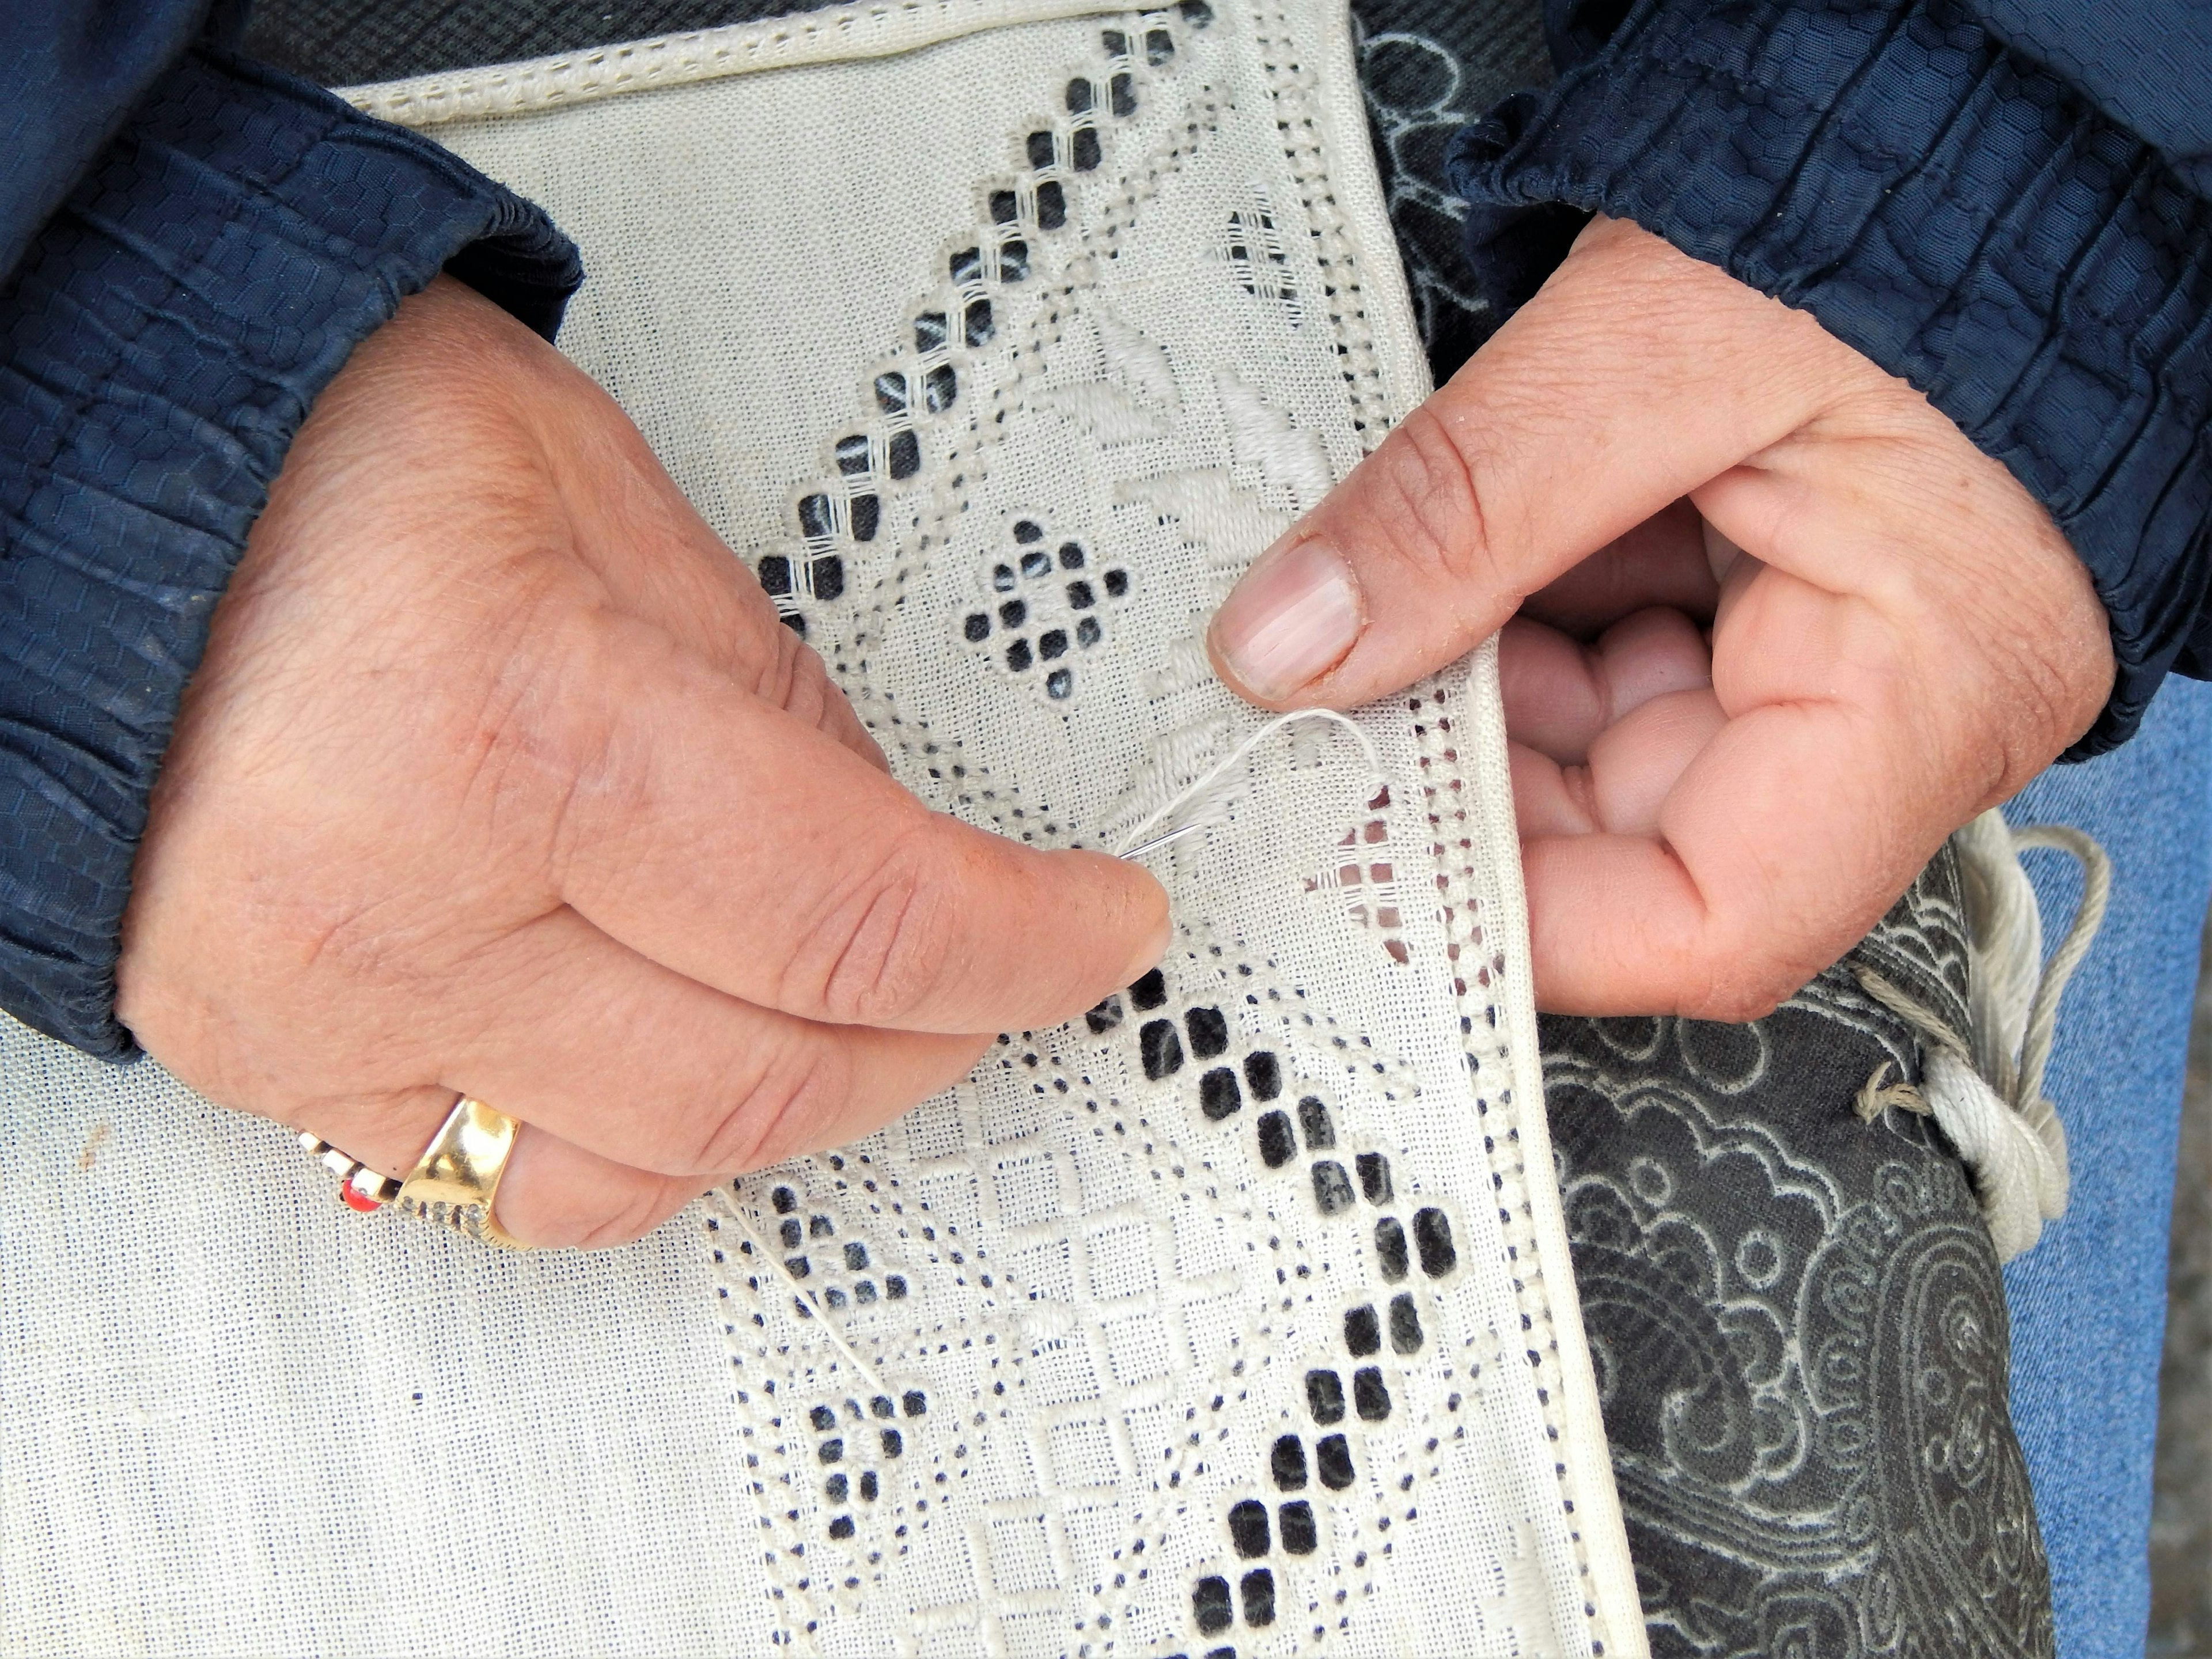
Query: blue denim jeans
point(2088, 1303)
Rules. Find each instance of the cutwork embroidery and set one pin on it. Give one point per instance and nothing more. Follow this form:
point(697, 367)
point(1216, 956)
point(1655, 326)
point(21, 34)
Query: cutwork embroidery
point(1090, 1344)
point(1045, 605)
point(1012, 1226)
point(1193, 1325)
point(909, 393)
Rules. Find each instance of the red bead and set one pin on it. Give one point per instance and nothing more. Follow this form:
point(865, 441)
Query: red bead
point(355, 1201)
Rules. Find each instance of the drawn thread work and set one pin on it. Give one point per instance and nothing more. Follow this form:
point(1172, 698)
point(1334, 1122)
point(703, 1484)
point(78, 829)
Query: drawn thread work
point(1151, 1337)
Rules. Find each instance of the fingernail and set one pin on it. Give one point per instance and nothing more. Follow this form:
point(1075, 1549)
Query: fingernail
point(1290, 621)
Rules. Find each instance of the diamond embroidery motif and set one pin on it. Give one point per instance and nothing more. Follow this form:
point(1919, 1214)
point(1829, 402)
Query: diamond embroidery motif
point(1185, 1300)
point(1045, 606)
point(982, 1229)
point(1223, 1319)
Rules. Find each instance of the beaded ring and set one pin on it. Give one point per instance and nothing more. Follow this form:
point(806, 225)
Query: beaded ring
point(360, 1187)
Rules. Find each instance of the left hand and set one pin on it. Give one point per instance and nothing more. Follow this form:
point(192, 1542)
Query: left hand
point(1773, 626)
point(500, 777)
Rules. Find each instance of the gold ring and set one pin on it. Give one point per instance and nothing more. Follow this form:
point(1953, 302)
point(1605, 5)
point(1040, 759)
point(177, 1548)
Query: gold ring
point(456, 1180)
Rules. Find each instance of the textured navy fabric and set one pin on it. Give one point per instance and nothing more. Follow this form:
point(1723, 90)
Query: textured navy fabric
point(348, 42)
point(1961, 215)
point(70, 70)
point(2146, 64)
point(161, 342)
point(2012, 218)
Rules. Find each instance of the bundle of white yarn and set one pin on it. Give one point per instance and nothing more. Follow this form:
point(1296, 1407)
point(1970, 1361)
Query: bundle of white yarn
point(1983, 1086)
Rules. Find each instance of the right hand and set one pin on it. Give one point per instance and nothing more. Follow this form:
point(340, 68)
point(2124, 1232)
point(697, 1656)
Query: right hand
point(1773, 626)
point(501, 777)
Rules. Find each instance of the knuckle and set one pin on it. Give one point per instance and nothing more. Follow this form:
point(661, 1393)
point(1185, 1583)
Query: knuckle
point(527, 738)
point(2053, 689)
point(1754, 973)
point(1428, 512)
point(799, 1092)
point(621, 1212)
point(2015, 686)
point(558, 753)
point(1727, 1002)
point(887, 944)
point(791, 676)
point(798, 682)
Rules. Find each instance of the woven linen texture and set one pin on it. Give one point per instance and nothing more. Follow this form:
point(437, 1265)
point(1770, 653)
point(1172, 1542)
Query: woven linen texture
point(1234, 1317)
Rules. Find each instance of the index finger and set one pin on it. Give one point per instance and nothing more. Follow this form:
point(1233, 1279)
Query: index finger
point(1784, 841)
point(749, 850)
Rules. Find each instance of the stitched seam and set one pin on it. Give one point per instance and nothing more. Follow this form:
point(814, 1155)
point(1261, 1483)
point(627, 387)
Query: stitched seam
point(1532, 1293)
point(710, 54)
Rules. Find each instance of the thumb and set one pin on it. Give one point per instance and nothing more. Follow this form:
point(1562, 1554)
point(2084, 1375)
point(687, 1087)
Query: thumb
point(1634, 375)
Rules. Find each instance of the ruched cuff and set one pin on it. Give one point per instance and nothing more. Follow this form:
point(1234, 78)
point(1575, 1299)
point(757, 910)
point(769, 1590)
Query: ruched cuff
point(1955, 213)
point(160, 346)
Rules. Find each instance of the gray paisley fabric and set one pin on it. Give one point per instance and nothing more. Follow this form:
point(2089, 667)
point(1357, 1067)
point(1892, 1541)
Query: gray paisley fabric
point(1796, 1315)
point(1798, 1324)
point(1428, 67)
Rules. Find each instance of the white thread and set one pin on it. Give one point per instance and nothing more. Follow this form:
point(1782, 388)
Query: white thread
point(1136, 401)
point(1107, 412)
point(1135, 362)
point(806, 1301)
point(1134, 844)
point(1984, 1088)
point(1262, 264)
point(1181, 665)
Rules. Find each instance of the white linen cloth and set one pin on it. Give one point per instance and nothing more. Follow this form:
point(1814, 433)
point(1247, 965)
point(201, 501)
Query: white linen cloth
point(999, 337)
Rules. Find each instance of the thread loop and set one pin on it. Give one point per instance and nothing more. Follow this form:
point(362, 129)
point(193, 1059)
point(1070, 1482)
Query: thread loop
point(1983, 1086)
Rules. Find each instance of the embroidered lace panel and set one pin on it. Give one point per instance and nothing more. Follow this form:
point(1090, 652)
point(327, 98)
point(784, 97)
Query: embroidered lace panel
point(1236, 1316)
point(1171, 1327)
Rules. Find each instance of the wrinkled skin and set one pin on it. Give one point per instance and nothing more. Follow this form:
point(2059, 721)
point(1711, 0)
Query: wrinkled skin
point(1773, 627)
point(501, 777)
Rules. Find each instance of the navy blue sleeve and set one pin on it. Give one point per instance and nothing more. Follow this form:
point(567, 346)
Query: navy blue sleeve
point(2146, 63)
point(1958, 210)
point(161, 339)
point(70, 70)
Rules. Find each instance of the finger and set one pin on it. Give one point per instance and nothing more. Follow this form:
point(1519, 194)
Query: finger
point(1790, 830)
point(656, 557)
point(1636, 761)
point(1776, 850)
point(629, 1060)
point(555, 1195)
point(1631, 768)
point(636, 1087)
point(1552, 691)
point(1549, 799)
point(663, 563)
point(1662, 562)
point(740, 847)
point(551, 1194)
point(1559, 695)
point(1634, 375)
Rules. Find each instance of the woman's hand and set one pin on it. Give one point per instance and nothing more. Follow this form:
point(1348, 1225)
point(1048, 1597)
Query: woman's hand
point(501, 777)
point(1780, 627)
